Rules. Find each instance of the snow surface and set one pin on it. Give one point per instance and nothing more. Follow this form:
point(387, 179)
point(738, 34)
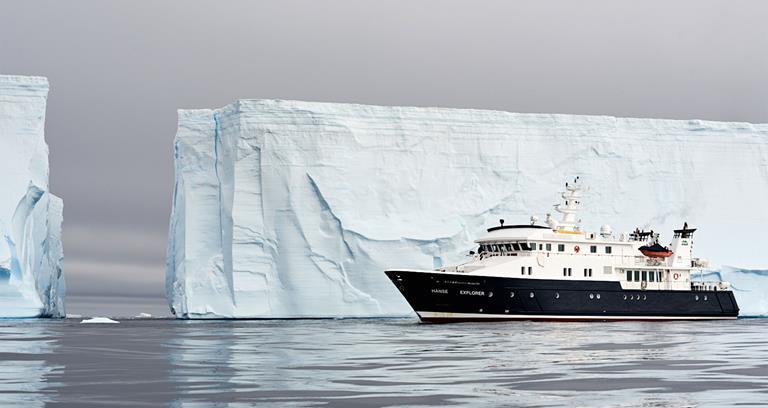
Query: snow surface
point(31, 280)
point(294, 209)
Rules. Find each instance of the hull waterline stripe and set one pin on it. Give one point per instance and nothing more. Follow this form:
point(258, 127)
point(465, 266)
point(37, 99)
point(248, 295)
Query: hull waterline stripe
point(479, 316)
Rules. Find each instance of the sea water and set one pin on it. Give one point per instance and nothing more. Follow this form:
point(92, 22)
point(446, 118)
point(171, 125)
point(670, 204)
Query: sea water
point(383, 362)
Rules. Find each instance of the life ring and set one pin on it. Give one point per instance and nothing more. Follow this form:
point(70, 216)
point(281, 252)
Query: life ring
point(577, 249)
point(676, 276)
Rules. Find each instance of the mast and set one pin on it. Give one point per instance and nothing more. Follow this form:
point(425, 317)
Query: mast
point(571, 207)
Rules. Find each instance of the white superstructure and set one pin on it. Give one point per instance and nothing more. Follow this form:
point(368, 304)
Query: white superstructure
point(562, 251)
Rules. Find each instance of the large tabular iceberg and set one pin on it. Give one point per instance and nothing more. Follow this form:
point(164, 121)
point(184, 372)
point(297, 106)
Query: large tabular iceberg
point(294, 209)
point(31, 280)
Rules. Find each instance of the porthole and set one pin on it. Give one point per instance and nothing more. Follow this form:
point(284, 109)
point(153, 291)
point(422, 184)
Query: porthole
point(625, 297)
point(645, 297)
point(638, 297)
point(511, 294)
point(557, 295)
point(705, 298)
point(632, 297)
point(490, 294)
point(697, 298)
point(598, 296)
point(531, 294)
point(591, 296)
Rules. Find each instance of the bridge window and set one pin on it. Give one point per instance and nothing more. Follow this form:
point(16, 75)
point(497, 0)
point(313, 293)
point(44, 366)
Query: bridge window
point(607, 250)
point(651, 275)
point(629, 276)
point(516, 246)
point(659, 276)
point(541, 247)
point(645, 276)
point(527, 247)
point(593, 249)
point(637, 276)
point(549, 247)
point(560, 247)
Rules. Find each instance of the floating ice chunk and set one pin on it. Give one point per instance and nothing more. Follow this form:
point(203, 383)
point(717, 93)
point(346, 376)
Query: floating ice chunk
point(99, 320)
point(143, 316)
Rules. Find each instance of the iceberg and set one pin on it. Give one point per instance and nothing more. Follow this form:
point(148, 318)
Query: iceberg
point(290, 209)
point(31, 279)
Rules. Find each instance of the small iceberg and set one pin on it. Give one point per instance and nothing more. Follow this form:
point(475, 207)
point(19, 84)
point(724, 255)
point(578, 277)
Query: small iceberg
point(99, 320)
point(143, 316)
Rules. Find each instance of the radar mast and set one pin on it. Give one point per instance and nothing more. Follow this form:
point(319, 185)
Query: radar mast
point(572, 197)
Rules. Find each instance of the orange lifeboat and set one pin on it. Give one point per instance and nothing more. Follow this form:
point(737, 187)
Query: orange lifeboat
point(655, 251)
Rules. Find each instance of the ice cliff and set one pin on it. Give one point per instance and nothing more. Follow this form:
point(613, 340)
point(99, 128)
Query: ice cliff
point(31, 280)
point(294, 209)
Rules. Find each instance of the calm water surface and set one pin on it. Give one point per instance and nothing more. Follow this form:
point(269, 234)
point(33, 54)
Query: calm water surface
point(383, 363)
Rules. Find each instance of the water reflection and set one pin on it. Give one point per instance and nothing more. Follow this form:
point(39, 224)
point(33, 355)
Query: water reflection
point(383, 362)
point(401, 363)
point(24, 370)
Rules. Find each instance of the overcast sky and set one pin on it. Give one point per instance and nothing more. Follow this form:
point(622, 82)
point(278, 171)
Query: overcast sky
point(120, 69)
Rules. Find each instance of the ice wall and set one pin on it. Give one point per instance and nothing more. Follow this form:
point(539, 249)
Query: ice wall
point(294, 209)
point(31, 280)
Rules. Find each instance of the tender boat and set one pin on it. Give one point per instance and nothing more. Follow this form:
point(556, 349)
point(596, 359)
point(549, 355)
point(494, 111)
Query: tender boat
point(558, 272)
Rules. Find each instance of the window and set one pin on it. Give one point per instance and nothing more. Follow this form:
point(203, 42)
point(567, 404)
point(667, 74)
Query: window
point(659, 276)
point(549, 247)
point(629, 276)
point(560, 247)
point(565, 271)
point(530, 270)
point(569, 271)
point(590, 272)
point(541, 247)
point(651, 276)
point(585, 271)
point(645, 276)
point(516, 246)
point(607, 250)
point(593, 249)
point(637, 276)
point(525, 246)
point(522, 270)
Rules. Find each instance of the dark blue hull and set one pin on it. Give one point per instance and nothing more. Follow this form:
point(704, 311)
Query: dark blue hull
point(441, 297)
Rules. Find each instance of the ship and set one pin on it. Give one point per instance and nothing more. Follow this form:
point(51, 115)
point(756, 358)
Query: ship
point(557, 272)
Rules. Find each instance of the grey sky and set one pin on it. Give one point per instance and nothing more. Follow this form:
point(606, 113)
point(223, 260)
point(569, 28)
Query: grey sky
point(120, 69)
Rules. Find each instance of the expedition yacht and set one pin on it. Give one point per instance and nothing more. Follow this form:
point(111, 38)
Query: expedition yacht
point(558, 272)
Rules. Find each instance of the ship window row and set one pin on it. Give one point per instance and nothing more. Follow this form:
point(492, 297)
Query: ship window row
point(523, 269)
point(504, 248)
point(567, 271)
point(531, 246)
point(644, 276)
point(588, 272)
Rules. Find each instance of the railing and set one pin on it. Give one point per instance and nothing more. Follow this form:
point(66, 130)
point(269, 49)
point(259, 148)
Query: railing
point(709, 286)
point(645, 261)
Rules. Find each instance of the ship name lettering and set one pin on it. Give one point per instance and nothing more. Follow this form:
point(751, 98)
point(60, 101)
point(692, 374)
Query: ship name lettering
point(443, 291)
point(472, 292)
